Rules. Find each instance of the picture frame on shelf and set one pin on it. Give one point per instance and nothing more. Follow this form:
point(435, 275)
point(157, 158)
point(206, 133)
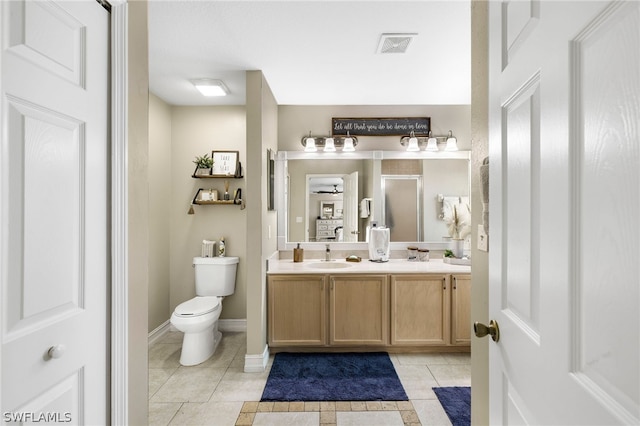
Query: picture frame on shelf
point(225, 163)
point(207, 195)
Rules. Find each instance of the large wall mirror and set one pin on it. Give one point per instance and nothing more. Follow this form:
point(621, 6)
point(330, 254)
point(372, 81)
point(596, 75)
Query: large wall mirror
point(336, 198)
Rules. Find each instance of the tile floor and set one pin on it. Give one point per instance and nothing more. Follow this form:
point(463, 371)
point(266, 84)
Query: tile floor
point(219, 392)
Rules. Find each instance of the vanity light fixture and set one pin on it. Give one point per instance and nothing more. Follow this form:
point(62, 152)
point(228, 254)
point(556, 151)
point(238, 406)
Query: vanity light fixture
point(348, 144)
point(329, 143)
point(210, 87)
point(452, 143)
point(432, 143)
point(413, 143)
point(309, 143)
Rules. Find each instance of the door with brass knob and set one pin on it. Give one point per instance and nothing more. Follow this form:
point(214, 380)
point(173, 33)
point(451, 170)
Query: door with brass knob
point(563, 273)
point(482, 330)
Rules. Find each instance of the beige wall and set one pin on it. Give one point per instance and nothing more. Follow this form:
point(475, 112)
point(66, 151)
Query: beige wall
point(480, 270)
point(138, 213)
point(262, 134)
point(196, 131)
point(159, 210)
point(295, 121)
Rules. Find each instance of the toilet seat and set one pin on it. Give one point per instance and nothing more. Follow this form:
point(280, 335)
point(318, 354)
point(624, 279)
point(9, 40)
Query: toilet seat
point(197, 306)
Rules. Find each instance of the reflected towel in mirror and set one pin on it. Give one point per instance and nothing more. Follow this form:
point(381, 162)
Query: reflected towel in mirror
point(365, 207)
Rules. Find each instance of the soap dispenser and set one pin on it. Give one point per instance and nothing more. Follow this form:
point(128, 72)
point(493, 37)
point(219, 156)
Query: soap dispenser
point(298, 254)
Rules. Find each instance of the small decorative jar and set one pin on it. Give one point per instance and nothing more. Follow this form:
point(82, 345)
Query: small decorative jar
point(412, 254)
point(423, 255)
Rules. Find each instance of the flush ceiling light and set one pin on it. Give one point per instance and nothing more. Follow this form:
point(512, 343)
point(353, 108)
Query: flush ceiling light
point(209, 87)
point(452, 143)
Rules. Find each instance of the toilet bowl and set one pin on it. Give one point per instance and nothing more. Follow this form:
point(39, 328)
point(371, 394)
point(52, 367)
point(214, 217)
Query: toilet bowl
point(198, 320)
point(215, 278)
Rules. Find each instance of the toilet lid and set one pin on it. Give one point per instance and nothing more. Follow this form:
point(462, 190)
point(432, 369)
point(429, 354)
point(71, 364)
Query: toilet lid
point(198, 306)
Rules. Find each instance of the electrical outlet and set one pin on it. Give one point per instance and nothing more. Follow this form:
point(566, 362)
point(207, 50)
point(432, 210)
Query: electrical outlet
point(483, 239)
point(298, 219)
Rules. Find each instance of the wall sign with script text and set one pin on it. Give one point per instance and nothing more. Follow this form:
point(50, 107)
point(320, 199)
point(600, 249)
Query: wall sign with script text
point(381, 126)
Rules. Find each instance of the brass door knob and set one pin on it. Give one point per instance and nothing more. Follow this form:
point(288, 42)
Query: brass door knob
point(482, 330)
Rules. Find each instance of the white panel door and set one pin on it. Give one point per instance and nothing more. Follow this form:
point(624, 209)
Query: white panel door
point(565, 191)
point(54, 254)
point(350, 207)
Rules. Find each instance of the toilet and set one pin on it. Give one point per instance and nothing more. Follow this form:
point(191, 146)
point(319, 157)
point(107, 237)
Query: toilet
point(198, 318)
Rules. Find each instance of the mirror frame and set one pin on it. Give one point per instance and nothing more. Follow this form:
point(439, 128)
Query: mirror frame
point(281, 192)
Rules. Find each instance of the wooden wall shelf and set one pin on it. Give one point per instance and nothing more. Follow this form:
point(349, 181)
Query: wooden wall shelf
point(237, 200)
point(238, 175)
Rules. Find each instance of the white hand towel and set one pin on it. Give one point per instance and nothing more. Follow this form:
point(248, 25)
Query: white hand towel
point(365, 207)
point(208, 248)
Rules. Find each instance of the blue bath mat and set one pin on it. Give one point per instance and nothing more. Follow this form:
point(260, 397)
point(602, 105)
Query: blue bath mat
point(333, 377)
point(456, 402)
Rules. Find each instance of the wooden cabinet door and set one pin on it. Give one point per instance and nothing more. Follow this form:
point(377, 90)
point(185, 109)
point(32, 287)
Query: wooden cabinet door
point(461, 310)
point(297, 307)
point(359, 310)
point(420, 309)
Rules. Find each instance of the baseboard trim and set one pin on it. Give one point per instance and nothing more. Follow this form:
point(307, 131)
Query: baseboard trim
point(232, 325)
point(256, 363)
point(160, 331)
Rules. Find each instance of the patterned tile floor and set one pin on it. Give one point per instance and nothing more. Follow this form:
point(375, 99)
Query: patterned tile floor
point(219, 392)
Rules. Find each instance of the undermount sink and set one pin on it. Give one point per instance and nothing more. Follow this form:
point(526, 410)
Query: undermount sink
point(329, 265)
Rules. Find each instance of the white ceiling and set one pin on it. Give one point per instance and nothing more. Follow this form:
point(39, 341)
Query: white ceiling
point(312, 52)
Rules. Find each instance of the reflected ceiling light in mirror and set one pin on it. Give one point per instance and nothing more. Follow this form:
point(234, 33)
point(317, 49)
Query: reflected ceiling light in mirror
point(413, 143)
point(452, 143)
point(210, 87)
point(432, 143)
point(309, 143)
point(348, 144)
point(329, 143)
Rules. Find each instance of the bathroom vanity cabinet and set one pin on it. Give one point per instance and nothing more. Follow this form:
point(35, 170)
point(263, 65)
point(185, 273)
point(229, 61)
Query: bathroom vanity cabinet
point(358, 310)
point(461, 309)
point(297, 306)
point(390, 311)
point(419, 309)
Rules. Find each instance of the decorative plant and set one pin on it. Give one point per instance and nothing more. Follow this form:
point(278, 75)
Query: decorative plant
point(204, 162)
point(448, 253)
point(459, 223)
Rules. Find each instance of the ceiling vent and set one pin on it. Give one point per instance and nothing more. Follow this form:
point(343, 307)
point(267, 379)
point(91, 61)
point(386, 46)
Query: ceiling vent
point(395, 43)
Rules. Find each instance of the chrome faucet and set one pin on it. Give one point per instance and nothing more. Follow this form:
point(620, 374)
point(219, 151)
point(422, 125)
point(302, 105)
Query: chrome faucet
point(327, 254)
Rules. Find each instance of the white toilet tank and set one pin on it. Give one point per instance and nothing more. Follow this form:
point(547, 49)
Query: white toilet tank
point(215, 276)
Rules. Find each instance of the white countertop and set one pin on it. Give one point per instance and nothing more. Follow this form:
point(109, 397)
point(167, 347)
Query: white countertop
point(393, 266)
